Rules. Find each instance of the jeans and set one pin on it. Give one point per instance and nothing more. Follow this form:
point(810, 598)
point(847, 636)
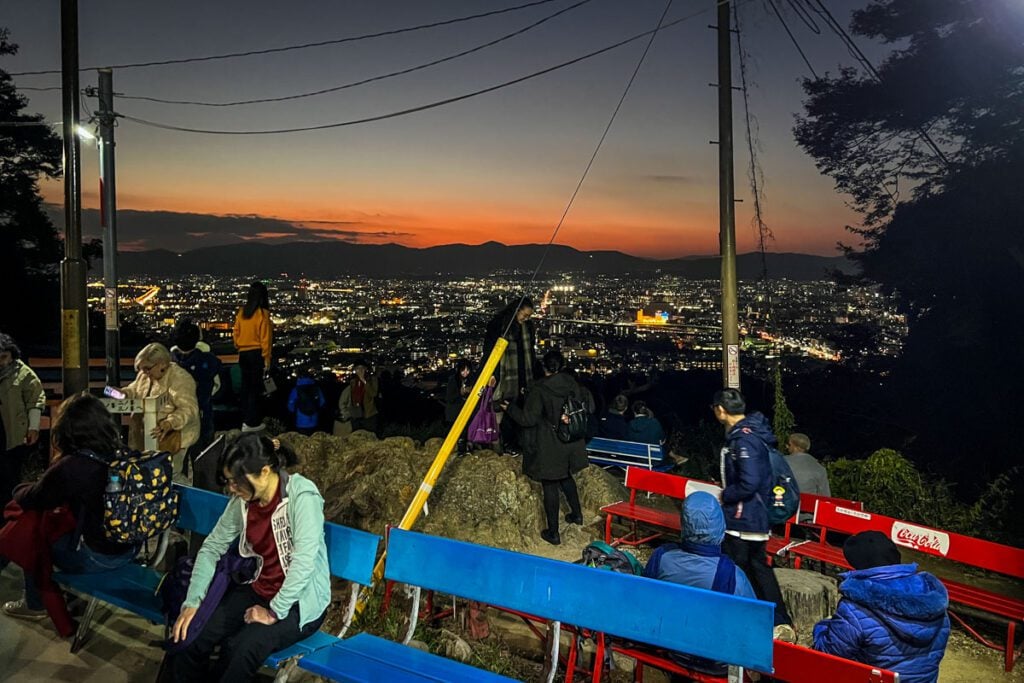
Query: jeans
point(75, 558)
point(750, 557)
point(251, 364)
point(243, 647)
point(551, 501)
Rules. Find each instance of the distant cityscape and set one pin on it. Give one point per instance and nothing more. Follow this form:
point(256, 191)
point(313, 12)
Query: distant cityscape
point(603, 323)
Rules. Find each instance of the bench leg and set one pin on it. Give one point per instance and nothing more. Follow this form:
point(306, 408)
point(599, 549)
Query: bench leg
point(283, 672)
point(608, 529)
point(1011, 637)
point(83, 626)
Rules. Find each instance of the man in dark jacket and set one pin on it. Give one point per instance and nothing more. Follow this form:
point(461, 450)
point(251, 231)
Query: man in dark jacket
point(546, 458)
point(747, 481)
point(890, 615)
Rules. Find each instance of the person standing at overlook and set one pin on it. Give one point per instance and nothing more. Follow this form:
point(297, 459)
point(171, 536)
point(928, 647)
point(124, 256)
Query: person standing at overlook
point(515, 371)
point(21, 404)
point(254, 337)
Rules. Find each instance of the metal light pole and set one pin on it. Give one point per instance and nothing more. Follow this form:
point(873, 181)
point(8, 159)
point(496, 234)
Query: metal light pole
point(726, 204)
point(108, 221)
point(74, 312)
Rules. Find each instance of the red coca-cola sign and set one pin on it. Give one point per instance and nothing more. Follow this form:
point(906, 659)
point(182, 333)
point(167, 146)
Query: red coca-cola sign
point(920, 538)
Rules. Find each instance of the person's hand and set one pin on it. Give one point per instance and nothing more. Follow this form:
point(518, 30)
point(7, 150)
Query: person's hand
point(31, 436)
point(257, 614)
point(180, 629)
point(491, 382)
point(162, 429)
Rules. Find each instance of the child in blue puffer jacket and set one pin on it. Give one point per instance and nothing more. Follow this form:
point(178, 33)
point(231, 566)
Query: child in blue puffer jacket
point(890, 615)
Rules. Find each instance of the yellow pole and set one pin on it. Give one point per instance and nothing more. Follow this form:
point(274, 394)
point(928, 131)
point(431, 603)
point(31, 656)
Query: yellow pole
point(412, 513)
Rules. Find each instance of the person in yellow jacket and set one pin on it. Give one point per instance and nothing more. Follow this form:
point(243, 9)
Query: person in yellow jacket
point(253, 336)
point(21, 404)
point(157, 375)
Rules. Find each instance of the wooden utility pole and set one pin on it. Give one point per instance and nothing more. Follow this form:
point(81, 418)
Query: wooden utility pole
point(727, 203)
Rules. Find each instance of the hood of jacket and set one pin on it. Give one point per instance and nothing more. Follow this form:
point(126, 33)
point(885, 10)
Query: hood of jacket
point(754, 424)
point(911, 604)
point(305, 382)
point(702, 520)
point(561, 384)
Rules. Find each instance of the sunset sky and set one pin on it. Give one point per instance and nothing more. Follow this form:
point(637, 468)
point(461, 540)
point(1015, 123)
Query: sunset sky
point(497, 167)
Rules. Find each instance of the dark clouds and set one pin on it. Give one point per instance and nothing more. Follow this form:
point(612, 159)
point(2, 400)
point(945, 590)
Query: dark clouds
point(137, 230)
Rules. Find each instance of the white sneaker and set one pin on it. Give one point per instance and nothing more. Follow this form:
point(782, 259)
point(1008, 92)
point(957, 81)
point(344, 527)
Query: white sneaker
point(785, 633)
point(19, 610)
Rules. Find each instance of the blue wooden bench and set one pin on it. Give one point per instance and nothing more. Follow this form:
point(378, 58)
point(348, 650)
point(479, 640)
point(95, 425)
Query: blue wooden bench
point(614, 453)
point(351, 554)
point(659, 613)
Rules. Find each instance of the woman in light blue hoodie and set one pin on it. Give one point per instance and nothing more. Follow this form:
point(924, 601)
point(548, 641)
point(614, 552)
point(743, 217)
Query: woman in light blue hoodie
point(278, 520)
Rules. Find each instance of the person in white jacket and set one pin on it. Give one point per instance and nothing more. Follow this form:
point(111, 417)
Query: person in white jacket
point(21, 404)
point(158, 375)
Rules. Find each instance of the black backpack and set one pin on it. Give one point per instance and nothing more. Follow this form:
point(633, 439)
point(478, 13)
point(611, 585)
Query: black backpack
point(139, 501)
point(573, 423)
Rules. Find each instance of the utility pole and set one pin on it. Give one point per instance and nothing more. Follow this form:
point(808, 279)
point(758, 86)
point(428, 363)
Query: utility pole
point(74, 314)
point(108, 221)
point(726, 203)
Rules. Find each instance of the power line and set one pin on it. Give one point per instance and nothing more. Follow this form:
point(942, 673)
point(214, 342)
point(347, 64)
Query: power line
point(302, 46)
point(26, 124)
point(364, 81)
point(422, 107)
point(593, 157)
point(796, 44)
point(805, 16)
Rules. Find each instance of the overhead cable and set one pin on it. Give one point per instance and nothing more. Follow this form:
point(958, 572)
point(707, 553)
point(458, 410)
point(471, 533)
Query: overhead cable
point(302, 46)
point(597, 149)
point(771, 3)
point(422, 107)
point(364, 81)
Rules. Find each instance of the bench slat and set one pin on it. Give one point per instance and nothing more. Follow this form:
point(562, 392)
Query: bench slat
point(368, 659)
point(131, 587)
point(688, 619)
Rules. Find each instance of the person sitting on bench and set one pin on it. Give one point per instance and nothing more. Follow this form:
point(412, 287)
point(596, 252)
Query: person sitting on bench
point(890, 615)
point(698, 561)
point(277, 518)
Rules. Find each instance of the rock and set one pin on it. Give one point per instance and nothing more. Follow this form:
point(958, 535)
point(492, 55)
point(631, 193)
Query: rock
point(455, 647)
point(809, 597)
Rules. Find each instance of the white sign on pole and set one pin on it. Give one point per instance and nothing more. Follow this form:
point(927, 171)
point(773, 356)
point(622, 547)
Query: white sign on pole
point(733, 369)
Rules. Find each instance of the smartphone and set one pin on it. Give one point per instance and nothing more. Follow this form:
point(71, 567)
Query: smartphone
point(114, 392)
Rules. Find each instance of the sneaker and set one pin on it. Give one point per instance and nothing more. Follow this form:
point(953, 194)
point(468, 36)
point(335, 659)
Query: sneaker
point(19, 610)
point(574, 519)
point(785, 633)
point(551, 537)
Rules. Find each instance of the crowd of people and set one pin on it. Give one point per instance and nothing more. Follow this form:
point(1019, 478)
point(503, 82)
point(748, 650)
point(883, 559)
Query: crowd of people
point(891, 614)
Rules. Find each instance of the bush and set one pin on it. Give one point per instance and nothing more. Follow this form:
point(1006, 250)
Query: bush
point(889, 484)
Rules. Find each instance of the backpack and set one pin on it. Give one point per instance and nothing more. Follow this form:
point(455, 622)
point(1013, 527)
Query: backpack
point(139, 501)
point(306, 399)
point(785, 492)
point(600, 555)
point(578, 424)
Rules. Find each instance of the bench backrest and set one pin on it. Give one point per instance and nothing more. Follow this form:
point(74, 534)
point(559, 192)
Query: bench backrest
point(351, 553)
point(796, 663)
point(665, 614)
point(809, 500)
point(634, 449)
point(957, 547)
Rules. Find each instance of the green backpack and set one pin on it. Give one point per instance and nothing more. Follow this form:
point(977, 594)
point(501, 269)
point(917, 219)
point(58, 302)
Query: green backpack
point(600, 555)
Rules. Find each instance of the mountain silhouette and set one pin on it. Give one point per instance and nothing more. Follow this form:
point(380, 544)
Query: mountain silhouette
point(336, 259)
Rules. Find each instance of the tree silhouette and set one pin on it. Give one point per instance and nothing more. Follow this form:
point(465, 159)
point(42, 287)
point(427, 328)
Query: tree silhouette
point(943, 230)
point(30, 248)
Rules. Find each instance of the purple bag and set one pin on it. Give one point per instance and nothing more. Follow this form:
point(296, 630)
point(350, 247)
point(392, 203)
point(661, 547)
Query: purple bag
point(483, 428)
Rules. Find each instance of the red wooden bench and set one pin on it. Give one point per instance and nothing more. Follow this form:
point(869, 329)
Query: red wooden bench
point(974, 552)
point(792, 664)
point(798, 548)
point(639, 480)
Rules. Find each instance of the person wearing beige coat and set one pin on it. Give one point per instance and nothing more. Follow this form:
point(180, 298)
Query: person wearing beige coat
point(158, 375)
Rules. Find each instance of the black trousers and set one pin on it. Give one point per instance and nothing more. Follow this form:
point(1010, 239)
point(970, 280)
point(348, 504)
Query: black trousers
point(251, 364)
point(243, 647)
point(750, 557)
point(551, 500)
point(11, 463)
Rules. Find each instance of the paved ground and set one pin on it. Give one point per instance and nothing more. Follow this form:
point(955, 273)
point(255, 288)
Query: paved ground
point(117, 652)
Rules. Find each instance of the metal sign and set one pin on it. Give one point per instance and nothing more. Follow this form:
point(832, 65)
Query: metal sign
point(733, 366)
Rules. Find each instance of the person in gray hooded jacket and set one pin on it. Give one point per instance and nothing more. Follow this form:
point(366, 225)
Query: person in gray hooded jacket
point(546, 458)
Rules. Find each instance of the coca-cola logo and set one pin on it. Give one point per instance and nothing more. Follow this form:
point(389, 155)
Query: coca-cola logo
point(920, 538)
